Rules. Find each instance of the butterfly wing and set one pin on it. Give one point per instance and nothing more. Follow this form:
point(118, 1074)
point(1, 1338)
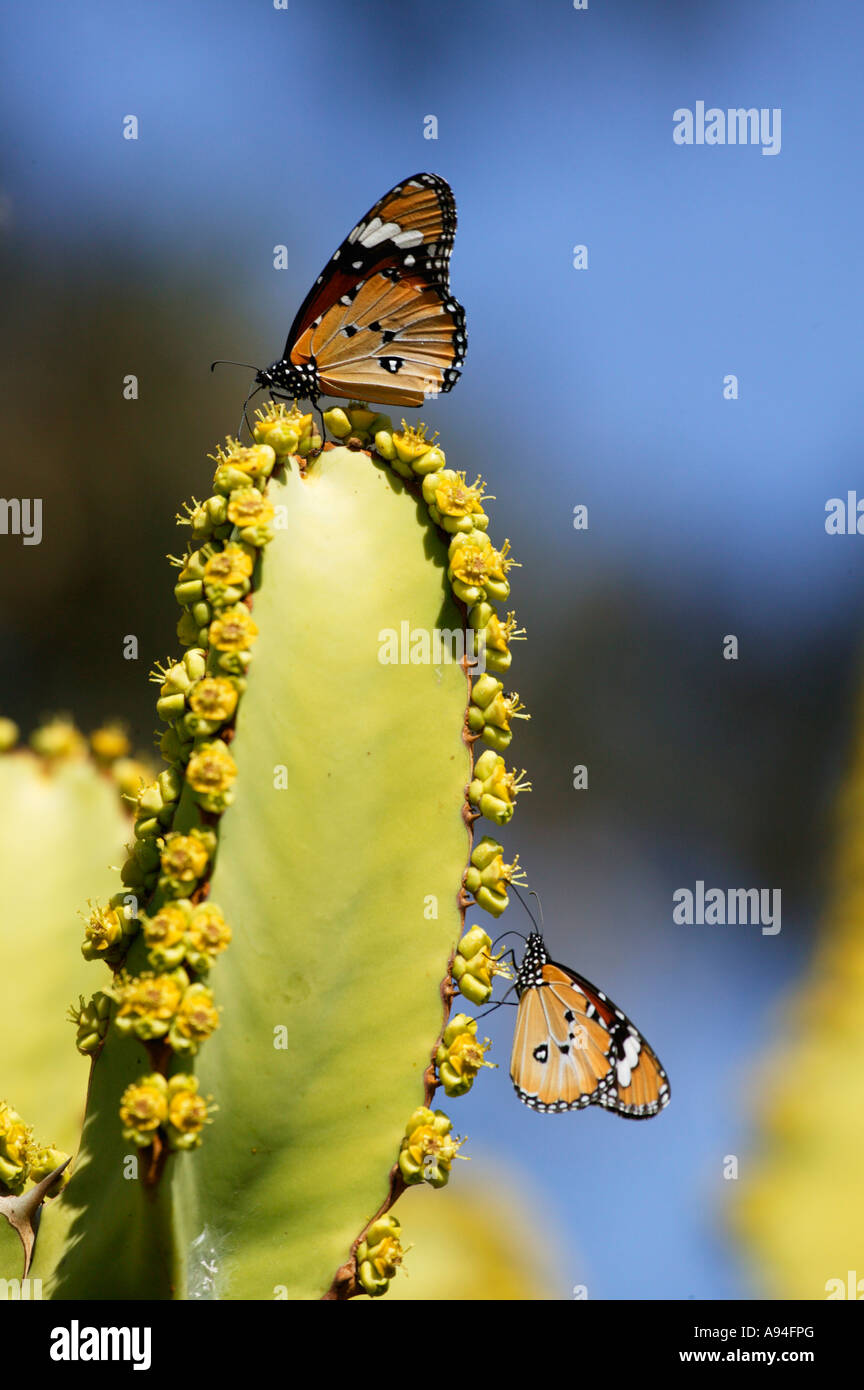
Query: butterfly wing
point(393, 339)
point(411, 228)
point(573, 1047)
point(380, 323)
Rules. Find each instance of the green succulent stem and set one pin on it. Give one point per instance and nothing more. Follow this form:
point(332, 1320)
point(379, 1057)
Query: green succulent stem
point(290, 935)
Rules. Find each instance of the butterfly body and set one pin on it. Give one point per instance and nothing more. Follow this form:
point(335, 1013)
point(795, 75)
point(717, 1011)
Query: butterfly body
point(573, 1047)
point(380, 324)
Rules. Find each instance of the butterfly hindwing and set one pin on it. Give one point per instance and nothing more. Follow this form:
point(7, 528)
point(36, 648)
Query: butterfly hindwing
point(573, 1047)
point(395, 340)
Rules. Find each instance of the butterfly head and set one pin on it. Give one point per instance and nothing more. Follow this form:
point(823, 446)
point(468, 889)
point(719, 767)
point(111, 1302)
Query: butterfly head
point(282, 376)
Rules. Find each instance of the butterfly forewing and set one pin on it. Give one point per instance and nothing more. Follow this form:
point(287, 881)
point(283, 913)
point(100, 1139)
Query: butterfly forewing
point(573, 1047)
point(380, 322)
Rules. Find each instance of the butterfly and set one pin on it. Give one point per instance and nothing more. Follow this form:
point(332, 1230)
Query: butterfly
point(573, 1047)
point(380, 324)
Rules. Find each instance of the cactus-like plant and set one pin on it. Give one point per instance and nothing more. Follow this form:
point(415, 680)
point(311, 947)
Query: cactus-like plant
point(65, 820)
point(797, 1209)
point(288, 936)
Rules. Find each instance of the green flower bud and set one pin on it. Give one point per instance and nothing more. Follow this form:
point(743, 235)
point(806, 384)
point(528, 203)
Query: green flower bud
point(173, 747)
point(91, 1022)
point(44, 1162)
point(147, 828)
point(170, 785)
point(337, 422)
point(384, 445)
point(208, 518)
point(189, 632)
point(228, 479)
point(188, 591)
point(431, 462)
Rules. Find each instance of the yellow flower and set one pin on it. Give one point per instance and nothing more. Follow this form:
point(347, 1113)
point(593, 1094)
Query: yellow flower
point(286, 431)
point(454, 497)
point(501, 562)
point(234, 630)
point(471, 561)
point(197, 1017)
point(214, 697)
point(130, 776)
point(428, 1148)
point(148, 1003)
point(58, 739)
point(474, 966)
point(460, 1055)
point(184, 858)
point(411, 442)
point(256, 460)
point(16, 1148)
point(109, 743)
point(387, 1257)
point(187, 1112)
point(103, 934)
point(211, 769)
point(143, 1108)
point(248, 507)
point(166, 928)
point(379, 1255)
point(164, 934)
point(207, 936)
point(229, 566)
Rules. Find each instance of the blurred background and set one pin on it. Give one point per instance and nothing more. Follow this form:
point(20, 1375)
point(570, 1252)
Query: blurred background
point(601, 387)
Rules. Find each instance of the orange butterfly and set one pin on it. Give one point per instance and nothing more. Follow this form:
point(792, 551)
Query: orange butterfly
point(380, 323)
point(573, 1047)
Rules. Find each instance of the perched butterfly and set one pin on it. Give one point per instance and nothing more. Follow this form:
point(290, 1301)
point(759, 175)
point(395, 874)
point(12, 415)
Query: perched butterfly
point(573, 1047)
point(380, 323)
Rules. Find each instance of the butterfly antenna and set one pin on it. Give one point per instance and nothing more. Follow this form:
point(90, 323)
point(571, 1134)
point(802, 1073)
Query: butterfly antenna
point(508, 933)
point(538, 926)
point(228, 362)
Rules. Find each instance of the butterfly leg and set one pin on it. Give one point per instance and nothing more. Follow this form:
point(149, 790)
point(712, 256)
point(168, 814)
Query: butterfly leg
point(245, 415)
point(316, 406)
